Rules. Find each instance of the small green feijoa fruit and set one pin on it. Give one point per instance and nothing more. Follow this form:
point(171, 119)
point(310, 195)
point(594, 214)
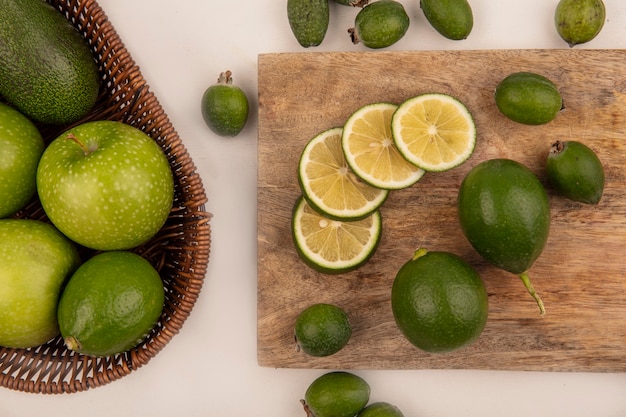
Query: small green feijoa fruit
point(322, 329)
point(380, 24)
point(575, 171)
point(439, 301)
point(336, 394)
point(353, 3)
point(225, 106)
point(381, 409)
point(528, 98)
point(308, 20)
point(451, 18)
point(579, 21)
point(504, 212)
point(110, 304)
point(21, 147)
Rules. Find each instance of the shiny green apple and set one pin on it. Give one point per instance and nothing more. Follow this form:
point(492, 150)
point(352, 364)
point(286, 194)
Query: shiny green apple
point(35, 262)
point(21, 146)
point(106, 185)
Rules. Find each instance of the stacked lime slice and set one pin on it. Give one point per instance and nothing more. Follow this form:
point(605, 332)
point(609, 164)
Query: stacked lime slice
point(345, 173)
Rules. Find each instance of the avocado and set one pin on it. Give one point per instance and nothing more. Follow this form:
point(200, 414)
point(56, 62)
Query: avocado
point(47, 70)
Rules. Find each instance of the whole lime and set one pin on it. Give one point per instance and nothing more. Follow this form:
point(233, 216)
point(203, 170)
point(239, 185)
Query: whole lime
point(337, 394)
point(504, 213)
point(528, 98)
point(225, 106)
point(381, 409)
point(322, 329)
point(439, 302)
point(110, 304)
point(575, 171)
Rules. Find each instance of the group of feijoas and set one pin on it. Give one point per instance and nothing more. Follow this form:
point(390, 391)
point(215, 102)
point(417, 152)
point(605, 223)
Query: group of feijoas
point(381, 23)
point(105, 187)
point(438, 300)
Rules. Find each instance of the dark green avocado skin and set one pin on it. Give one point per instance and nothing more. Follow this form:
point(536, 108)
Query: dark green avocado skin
point(47, 70)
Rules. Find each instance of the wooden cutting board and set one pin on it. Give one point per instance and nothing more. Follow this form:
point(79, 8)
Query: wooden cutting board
point(581, 275)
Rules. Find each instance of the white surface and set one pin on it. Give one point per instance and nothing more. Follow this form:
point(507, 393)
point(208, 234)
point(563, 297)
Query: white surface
point(210, 368)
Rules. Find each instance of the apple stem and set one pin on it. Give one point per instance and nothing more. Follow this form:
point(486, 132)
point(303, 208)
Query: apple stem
point(531, 290)
point(73, 137)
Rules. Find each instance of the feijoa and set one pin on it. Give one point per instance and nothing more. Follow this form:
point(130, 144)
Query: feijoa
point(579, 21)
point(575, 171)
point(504, 213)
point(451, 18)
point(322, 329)
point(380, 24)
point(336, 394)
point(528, 98)
point(225, 106)
point(381, 409)
point(439, 302)
point(308, 20)
point(353, 3)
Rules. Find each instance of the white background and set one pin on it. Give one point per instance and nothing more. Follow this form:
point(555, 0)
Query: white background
point(210, 368)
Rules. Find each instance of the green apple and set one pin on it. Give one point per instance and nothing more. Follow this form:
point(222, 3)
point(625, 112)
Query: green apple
point(106, 185)
point(21, 146)
point(35, 262)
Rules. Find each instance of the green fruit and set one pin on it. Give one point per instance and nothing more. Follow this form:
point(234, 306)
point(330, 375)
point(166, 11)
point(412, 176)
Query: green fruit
point(47, 70)
point(336, 394)
point(504, 212)
point(575, 171)
point(110, 304)
point(528, 98)
point(106, 185)
point(380, 24)
point(35, 262)
point(451, 18)
point(579, 21)
point(439, 302)
point(381, 409)
point(308, 20)
point(322, 329)
point(21, 146)
point(353, 3)
point(225, 107)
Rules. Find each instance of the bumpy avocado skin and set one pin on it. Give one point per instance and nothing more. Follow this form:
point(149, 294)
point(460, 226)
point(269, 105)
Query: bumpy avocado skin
point(308, 20)
point(47, 70)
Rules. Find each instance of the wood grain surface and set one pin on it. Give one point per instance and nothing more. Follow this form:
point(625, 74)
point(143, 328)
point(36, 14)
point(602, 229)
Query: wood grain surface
point(581, 274)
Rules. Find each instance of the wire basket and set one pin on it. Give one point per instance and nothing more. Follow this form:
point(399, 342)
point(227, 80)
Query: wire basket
point(180, 251)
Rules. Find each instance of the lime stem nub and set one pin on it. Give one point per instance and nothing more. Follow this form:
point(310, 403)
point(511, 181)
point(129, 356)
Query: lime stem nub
point(71, 343)
point(531, 290)
point(419, 253)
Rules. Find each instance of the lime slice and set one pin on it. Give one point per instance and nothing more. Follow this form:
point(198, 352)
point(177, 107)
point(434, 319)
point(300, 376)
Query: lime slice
point(328, 183)
point(370, 151)
point(434, 131)
point(333, 246)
